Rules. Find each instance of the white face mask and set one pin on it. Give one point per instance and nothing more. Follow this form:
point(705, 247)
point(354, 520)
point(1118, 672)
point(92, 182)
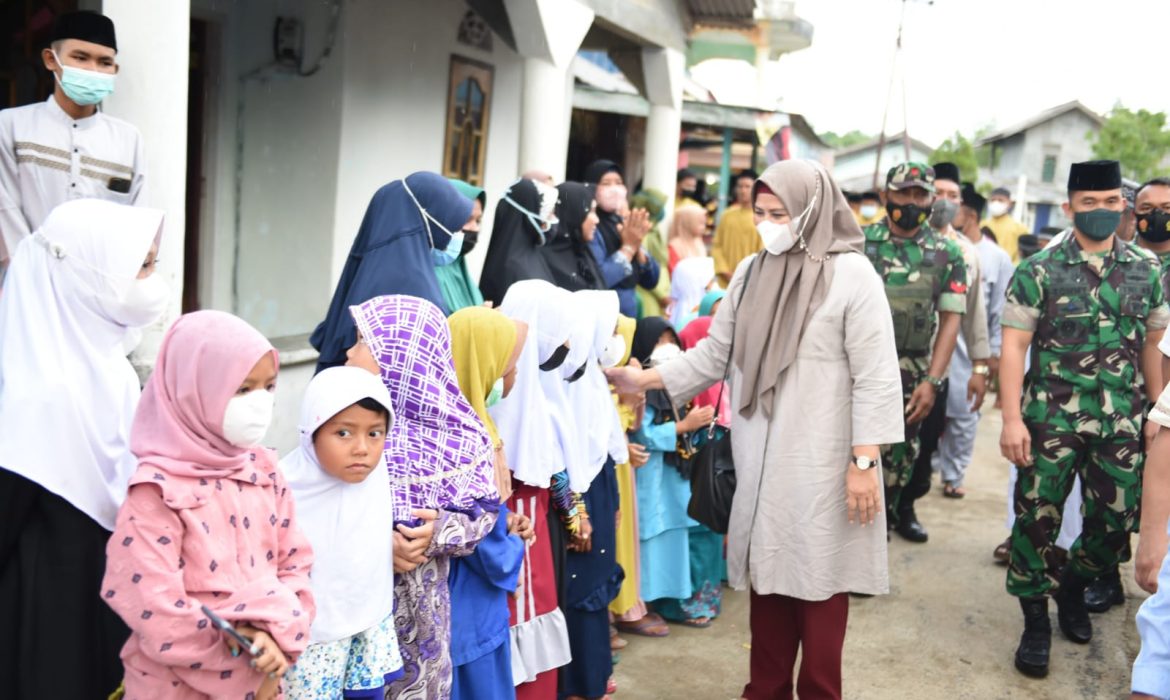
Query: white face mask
point(247, 417)
point(143, 304)
point(665, 353)
point(997, 208)
point(779, 238)
point(869, 210)
point(615, 350)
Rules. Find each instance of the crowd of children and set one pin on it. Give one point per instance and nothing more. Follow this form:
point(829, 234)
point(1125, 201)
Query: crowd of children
point(468, 511)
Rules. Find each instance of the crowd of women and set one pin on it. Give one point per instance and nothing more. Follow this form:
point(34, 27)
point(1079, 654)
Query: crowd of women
point(491, 482)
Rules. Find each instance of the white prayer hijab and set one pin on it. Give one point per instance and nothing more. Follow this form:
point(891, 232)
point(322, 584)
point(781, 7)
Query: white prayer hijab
point(596, 409)
point(570, 448)
point(67, 392)
point(351, 526)
point(688, 286)
point(524, 421)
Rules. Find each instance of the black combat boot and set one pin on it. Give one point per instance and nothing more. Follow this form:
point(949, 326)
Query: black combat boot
point(1104, 592)
point(909, 527)
point(1070, 608)
point(1035, 643)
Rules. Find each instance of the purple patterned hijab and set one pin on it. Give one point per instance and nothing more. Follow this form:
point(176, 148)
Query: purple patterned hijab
point(438, 452)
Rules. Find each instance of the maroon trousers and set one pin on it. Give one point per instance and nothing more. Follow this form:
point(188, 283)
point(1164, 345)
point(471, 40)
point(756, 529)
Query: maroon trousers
point(782, 626)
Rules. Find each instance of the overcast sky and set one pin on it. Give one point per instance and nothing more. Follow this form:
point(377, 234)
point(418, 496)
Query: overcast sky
point(967, 63)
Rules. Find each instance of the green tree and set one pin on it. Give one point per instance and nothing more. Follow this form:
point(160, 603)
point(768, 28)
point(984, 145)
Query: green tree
point(958, 150)
point(1139, 140)
point(852, 138)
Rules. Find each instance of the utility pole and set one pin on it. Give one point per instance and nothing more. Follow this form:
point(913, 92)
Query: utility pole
point(895, 65)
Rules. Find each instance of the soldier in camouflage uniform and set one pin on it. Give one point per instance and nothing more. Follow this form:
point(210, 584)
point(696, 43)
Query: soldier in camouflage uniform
point(926, 285)
point(1152, 214)
point(1092, 308)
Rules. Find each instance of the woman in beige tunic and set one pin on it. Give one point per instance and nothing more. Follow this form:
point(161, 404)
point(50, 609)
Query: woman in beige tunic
point(816, 386)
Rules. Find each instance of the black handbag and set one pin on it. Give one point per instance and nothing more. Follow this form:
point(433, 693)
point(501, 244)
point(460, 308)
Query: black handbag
point(713, 467)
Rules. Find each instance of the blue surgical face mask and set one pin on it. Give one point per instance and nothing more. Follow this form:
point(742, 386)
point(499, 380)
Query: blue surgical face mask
point(84, 87)
point(541, 226)
point(454, 247)
point(451, 253)
point(496, 395)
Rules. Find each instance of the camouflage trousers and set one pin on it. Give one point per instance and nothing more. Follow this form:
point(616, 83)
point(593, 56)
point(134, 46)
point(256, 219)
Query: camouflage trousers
point(1110, 469)
point(898, 460)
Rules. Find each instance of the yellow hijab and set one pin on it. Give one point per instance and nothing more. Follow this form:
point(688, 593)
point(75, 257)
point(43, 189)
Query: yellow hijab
point(483, 343)
point(735, 239)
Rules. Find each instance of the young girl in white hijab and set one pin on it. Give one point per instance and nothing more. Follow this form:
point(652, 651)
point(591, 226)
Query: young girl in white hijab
point(75, 291)
point(337, 476)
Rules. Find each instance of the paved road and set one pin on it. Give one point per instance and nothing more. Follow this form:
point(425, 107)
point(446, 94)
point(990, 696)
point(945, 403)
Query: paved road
point(947, 629)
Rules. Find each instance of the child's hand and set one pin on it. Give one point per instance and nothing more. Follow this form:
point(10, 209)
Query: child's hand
point(269, 688)
point(418, 539)
point(583, 540)
point(521, 525)
point(269, 658)
point(639, 456)
point(697, 418)
point(401, 563)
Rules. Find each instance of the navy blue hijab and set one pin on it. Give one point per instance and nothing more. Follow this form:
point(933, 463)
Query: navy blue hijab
point(392, 255)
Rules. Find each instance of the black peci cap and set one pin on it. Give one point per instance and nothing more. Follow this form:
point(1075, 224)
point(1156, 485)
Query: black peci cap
point(1094, 176)
point(85, 26)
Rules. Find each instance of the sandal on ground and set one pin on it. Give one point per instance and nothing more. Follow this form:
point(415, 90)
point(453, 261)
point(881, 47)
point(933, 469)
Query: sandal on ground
point(698, 622)
point(610, 686)
point(954, 491)
point(616, 643)
point(651, 625)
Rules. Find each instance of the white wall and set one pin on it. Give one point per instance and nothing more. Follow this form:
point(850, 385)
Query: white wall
point(272, 274)
point(152, 95)
point(394, 106)
point(315, 149)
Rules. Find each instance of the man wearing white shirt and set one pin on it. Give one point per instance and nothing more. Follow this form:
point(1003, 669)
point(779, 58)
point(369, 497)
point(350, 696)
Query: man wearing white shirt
point(65, 148)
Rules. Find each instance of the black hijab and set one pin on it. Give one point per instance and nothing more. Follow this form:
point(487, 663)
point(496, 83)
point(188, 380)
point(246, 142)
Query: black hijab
point(567, 254)
point(608, 221)
point(514, 253)
point(646, 336)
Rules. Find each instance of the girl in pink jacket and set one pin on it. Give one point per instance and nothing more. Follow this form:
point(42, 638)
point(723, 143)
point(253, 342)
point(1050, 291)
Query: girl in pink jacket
point(209, 520)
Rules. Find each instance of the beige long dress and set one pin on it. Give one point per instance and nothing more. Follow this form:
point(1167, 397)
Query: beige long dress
point(790, 533)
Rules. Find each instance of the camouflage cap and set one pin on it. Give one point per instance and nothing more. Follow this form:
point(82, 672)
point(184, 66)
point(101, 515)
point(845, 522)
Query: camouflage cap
point(912, 174)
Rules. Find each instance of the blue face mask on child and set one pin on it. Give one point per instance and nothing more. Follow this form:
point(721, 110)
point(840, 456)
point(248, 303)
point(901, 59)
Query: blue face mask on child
point(451, 252)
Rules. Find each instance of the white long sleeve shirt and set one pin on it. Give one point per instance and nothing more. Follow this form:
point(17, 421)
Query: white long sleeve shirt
point(47, 157)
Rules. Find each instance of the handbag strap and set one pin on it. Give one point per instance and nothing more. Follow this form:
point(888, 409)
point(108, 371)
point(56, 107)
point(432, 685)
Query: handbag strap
point(730, 353)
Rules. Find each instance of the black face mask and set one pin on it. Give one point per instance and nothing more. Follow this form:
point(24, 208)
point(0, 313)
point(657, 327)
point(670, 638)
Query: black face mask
point(1155, 226)
point(556, 360)
point(689, 194)
point(908, 217)
point(470, 238)
point(579, 373)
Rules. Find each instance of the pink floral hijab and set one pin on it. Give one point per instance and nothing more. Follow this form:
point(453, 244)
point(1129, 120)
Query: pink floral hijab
point(178, 428)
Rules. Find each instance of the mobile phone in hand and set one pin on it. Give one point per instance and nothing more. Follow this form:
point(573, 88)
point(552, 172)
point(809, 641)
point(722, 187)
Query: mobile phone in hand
point(244, 642)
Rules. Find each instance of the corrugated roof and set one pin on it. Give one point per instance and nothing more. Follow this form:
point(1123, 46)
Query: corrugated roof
point(1040, 118)
point(724, 13)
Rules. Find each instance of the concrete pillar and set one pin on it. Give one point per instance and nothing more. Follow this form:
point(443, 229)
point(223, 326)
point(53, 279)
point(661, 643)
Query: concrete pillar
point(725, 187)
point(664, 72)
point(151, 94)
point(548, 34)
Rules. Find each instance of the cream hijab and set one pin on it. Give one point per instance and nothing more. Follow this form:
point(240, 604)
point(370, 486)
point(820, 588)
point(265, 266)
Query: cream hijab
point(786, 290)
point(67, 392)
point(350, 526)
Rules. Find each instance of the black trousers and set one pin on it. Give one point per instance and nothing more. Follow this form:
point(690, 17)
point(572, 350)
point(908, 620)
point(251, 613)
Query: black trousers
point(928, 435)
point(58, 638)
